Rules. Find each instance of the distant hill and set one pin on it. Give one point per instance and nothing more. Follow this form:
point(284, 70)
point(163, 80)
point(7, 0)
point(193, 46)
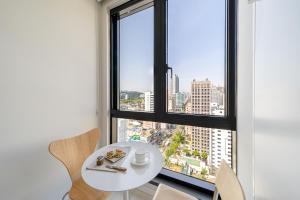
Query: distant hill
point(130, 94)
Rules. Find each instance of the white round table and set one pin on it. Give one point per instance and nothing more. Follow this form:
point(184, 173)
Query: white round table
point(134, 177)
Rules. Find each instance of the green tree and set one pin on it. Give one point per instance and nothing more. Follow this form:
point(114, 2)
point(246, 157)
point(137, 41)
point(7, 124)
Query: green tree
point(204, 155)
point(136, 100)
point(178, 138)
point(167, 162)
point(196, 153)
point(186, 151)
point(203, 174)
point(203, 171)
point(169, 152)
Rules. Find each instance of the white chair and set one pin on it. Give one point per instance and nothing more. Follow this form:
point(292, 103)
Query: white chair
point(164, 192)
point(227, 186)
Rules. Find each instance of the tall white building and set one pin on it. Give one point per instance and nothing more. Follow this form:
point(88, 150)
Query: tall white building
point(175, 84)
point(221, 145)
point(217, 95)
point(122, 130)
point(149, 101)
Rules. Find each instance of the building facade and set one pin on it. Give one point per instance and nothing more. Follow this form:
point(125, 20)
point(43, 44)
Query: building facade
point(221, 145)
point(149, 101)
point(175, 84)
point(200, 104)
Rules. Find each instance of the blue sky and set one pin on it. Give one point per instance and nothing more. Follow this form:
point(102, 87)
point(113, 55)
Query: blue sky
point(196, 35)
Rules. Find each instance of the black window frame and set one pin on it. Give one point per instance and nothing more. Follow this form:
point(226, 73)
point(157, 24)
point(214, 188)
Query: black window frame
point(161, 114)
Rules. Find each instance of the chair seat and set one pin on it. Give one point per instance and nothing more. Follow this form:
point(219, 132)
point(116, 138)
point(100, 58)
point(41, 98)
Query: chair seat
point(167, 193)
point(81, 191)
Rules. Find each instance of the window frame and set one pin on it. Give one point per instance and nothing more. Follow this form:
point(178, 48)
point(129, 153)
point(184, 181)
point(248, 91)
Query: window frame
point(161, 114)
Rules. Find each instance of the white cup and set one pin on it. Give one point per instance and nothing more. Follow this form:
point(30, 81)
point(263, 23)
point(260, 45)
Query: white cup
point(141, 155)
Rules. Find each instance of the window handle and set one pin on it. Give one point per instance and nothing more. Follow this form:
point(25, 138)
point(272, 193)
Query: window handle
point(169, 68)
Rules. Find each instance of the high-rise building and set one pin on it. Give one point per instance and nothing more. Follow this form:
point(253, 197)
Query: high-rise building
point(221, 144)
point(179, 99)
point(217, 95)
point(188, 109)
point(122, 130)
point(188, 105)
point(171, 103)
point(175, 84)
point(201, 96)
point(200, 103)
point(221, 141)
point(173, 89)
point(149, 102)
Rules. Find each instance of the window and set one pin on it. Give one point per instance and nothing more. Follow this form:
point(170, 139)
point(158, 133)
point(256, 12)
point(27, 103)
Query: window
point(173, 82)
point(136, 55)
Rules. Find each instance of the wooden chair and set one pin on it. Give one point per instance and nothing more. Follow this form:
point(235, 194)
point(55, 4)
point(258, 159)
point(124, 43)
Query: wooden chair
point(72, 152)
point(227, 186)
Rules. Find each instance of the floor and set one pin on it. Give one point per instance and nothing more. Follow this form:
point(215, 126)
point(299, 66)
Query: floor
point(134, 195)
point(146, 192)
point(139, 194)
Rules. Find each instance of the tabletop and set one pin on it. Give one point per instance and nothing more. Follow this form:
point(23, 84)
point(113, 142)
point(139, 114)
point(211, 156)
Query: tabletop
point(134, 177)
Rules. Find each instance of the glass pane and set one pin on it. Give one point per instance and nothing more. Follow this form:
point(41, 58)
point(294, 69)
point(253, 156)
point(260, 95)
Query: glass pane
point(136, 61)
point(189, 150)
point(196, 54)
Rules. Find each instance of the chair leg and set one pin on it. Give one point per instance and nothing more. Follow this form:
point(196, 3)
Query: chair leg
point(65, 195)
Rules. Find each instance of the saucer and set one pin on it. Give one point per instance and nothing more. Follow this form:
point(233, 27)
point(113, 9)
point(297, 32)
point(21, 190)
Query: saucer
point(133, 162)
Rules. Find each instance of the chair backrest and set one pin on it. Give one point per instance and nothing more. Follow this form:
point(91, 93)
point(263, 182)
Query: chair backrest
point(227, 184)
point(73, 151)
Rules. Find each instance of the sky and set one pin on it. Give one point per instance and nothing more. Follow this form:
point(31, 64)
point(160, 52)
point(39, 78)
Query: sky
point(196, 43)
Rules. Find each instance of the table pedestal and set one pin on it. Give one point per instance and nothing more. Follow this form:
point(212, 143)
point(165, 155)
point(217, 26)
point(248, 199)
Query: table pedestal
point(126, 195)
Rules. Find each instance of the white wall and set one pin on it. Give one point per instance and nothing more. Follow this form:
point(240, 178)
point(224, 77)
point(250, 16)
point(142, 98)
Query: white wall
point(268, 98)
point(104, 39)
point(48, 67)
point(277, 98)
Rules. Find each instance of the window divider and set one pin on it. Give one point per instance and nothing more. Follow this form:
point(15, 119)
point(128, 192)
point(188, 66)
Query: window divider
point(232, 61)
point(114, 60)
point(205, 121)
point(160, 58)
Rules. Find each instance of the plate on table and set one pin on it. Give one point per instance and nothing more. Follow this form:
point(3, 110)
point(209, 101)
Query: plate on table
point(116, 153)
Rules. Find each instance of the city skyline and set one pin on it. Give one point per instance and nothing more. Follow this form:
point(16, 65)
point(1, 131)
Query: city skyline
point(170, 86)
point(191, 150)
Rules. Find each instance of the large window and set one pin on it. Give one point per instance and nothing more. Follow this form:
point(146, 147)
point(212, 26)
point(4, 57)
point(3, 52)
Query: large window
point(173, 82)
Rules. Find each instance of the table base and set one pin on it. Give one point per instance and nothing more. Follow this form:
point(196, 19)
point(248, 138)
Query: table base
point(126, 195)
